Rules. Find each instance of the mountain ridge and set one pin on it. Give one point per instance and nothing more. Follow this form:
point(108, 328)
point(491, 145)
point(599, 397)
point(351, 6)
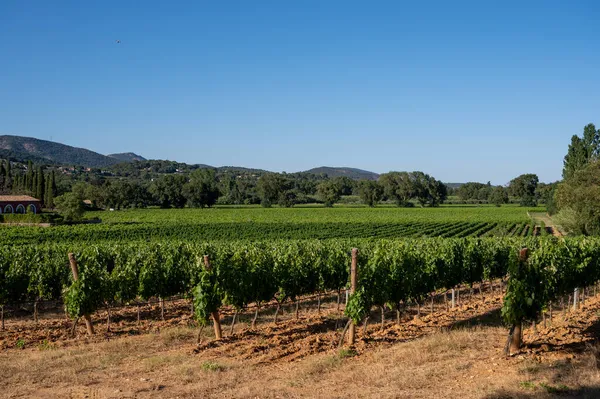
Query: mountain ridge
point(339, 171)
point(23, 149)
point(127, 157)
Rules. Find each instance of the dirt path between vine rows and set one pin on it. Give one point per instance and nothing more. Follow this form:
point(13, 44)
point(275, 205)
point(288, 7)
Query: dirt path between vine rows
point(544, 217)
point(444, 354)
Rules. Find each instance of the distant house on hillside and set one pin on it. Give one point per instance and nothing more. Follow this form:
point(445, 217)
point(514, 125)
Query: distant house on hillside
point(19, 204)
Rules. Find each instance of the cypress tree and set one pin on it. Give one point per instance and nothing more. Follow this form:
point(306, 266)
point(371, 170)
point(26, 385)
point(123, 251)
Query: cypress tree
point(8, 183)
point(48, 199)
point(2, 176)
point(54, 188)
point(33, 188)
point(41, 185)
point(29, 177)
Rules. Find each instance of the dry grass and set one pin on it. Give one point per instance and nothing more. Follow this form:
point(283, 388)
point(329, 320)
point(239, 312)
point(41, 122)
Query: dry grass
point(467, 363)
point(300, 358)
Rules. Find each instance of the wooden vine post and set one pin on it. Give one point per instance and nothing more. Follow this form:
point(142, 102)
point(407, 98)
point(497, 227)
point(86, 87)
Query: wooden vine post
point(75, 270)
point(353, 272)
point(215, 314)
point(516, 335)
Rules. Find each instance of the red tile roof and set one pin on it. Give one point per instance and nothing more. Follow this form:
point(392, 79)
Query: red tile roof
point(17, 198)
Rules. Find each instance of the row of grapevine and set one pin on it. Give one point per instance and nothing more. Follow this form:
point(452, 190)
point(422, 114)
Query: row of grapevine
point(245, 272)
point(235, 231)
point(391, 272)
point(553, 269)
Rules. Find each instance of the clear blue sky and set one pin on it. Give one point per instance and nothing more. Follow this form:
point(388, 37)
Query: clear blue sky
point(464, 91)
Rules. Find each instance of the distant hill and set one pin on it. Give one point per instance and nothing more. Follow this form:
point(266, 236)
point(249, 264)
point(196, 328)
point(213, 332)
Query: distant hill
point(237, 169)
point(25, 149)
point(28, 148)
point(352, 173)
point(127, 157)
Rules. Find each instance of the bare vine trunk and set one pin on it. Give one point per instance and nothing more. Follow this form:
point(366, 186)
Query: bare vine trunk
point(319, 302)
point(255, 316)
point(162, 308)
point(544, 318)
point(74, 326)
point(344, 332)
point(107, 317)
point(35, 310)
point(446, 300)
point(481, 291)
point(233, 321)
point(277, 312)
point(513, 344)
point(199, 335)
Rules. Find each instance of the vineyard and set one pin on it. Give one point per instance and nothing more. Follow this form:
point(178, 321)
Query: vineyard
point(238, 274)
point(275, 224)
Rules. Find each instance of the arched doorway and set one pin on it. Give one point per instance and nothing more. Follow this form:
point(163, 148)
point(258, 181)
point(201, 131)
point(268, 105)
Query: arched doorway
point(20, 209)
point(31, 209)
point(9, 209)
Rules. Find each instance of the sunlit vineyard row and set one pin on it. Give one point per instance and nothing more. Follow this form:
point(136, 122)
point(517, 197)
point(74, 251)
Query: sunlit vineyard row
point(274, 224)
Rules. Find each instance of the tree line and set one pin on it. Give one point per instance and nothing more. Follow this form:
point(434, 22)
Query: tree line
point(169, 184)
point(33, 182)
point(576, 199)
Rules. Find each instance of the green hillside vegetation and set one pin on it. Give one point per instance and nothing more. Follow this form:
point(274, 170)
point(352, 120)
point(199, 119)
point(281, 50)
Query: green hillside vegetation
point(127, 157)
point(352, 173)
point(26, 149)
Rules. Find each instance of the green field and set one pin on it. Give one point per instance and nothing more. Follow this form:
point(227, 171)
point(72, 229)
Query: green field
point(255, 223)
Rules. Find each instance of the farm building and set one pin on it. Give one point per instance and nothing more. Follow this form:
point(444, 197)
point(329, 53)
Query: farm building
point(19, 204)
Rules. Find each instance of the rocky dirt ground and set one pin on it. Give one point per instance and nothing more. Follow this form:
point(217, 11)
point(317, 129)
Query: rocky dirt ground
point(443, 354)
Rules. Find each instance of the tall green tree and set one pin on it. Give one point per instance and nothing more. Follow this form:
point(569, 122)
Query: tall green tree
point(202, 190)
point(230, 190)
point(498, 196)
point(346, 184)
point(474, 191)
point(268, 188)
point(578, 201)
point(582, 150)
point(329, 192)
point(40, 192)
point(168, 191)
point(29, 177)
point(2, 176)
point(428, 190)
point(398, 187)
point(49, 198)
point(51, 190)
point(524, 187)
point(71, 206)
point(8, 183)
point(370, 192)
